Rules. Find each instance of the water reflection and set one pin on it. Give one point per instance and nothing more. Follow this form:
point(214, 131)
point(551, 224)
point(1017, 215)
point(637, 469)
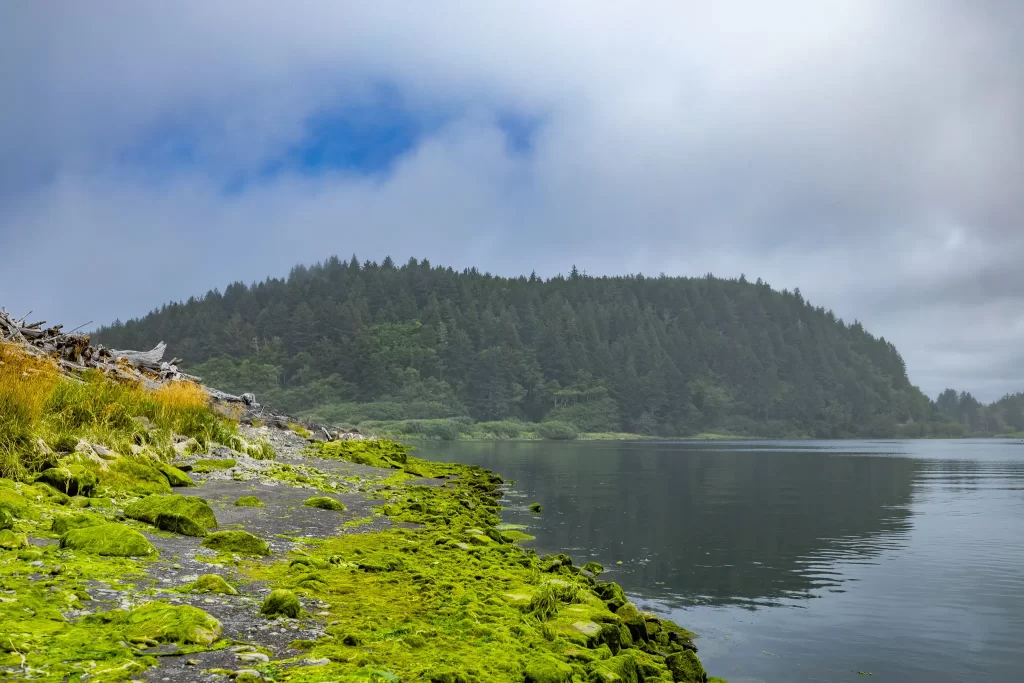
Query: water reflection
point(693, 523)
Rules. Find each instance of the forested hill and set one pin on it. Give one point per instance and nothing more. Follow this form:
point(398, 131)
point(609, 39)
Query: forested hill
point(355, 342)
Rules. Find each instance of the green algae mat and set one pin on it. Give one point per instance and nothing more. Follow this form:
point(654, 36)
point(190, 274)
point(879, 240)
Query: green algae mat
point(442, 593)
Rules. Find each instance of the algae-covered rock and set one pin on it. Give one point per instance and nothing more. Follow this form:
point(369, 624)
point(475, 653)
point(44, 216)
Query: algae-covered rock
point(62, 525)
point(281, 602)
point(137, 476)
point(179, 524)
point(633, 620)
point(686, 668)
point(12, 541)
point(545, 669)
point(612, 594)
point(111, 539)
point(6, 519)
point(73, 479)
point(49, 494)
point(324, 503)
point(207, 465)
point(536, 508)
point(236, 541)
point(593, 568)
point(174, 510)
point(212, 583)
point(172, 624)
point(175, 477)
point(618, 669)
point(249, 502)
point(17, 505)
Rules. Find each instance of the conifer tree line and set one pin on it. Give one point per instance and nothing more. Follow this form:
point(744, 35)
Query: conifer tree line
point(355, 342)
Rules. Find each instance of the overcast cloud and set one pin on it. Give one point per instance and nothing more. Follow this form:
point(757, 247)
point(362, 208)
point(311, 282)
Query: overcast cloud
point(869, 152)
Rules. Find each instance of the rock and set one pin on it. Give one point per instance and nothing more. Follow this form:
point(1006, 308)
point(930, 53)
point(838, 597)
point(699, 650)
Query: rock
point(593, 568)
point(249, 502)
point(187, 447)
point(12, 541)
point(174, 507)
point(143, 422)
point(281, 602)
point(248, 398)
point(247, 676)
point(212, 583)
point(236, 541)
point(618, 669)
point(612, 594)
point(172, 624)
point(6, 519)
point(686, 668)
point(72, 479)
point(324, 503)
point(175, 477)
point(110, 539)
point(253, 657)
point(62, 525)
point(104, 452)
point(544, 669)
point(633, 620)
point(179, 524)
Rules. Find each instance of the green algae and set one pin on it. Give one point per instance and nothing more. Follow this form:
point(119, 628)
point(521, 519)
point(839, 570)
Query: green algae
point(72, 479)
point(167, 623)
point(63, 524)
point(6, 519)
point(281, 602)
point(211, 583)
point(249, 502)
point(111, 539)
point(188, 515)
point(207, 465)
point(324, 503)
point(236, 541)
point(10, 540)
point(536, 508)
point(458, 600)
point(174, 476)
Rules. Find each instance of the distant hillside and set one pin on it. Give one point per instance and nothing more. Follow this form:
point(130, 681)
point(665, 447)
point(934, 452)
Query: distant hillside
point(355, 342)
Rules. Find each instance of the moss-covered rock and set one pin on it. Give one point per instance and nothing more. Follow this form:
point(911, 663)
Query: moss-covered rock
point(686, 667)
point(46, 492)
point(547, 670)
point(249, 502)
point(236, 541)
point(16, 504)
point(72, 479)
point(612, 594)
point(281, 602)
point(62, 525)
point(137, 476)
point(633, 620)
point(172, 624)
point(618, 669)
point(6, 519)
point(12, 541)
point(174, 476)
point(536, 508)
point(189, 515)
point(111, 539)
point(207, 465)
point(211, 583)
point(324, 503)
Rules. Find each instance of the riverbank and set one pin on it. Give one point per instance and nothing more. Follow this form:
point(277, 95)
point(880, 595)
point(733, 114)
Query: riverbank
point(251, 552)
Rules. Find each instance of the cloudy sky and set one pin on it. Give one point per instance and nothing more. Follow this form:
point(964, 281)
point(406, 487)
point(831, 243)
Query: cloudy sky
point(869, 152)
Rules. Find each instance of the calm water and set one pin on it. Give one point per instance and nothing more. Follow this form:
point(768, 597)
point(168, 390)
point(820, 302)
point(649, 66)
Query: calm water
point(796, 561)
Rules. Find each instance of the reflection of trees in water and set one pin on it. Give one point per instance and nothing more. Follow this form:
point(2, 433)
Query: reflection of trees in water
point(723, 526)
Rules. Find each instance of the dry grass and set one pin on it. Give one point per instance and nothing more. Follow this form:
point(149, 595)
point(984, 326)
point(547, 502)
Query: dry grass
point(37, 403)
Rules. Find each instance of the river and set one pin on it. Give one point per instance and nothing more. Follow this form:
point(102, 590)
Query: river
point(795, 560)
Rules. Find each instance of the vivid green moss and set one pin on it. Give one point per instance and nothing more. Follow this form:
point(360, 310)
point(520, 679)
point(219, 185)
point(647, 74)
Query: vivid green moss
point(324, 503)
point(72, 479)
point(536, 508)
point(63, 524)
point(249, 502)
point(12, 541)
point(6, 519)
point(111, 539)
point(174, 476)
point(166, 623)
point(281, 603)
point(211, 583)
point(189, 515)
point(236, 541)
point(207, 465)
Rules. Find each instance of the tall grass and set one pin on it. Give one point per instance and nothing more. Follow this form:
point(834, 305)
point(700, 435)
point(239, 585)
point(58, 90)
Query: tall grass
point(37, 403)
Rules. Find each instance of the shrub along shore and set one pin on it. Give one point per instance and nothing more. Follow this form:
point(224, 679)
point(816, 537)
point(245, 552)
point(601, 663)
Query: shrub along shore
point(419, 581)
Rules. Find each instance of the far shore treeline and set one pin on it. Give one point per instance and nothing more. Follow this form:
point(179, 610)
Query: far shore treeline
point(429, 351)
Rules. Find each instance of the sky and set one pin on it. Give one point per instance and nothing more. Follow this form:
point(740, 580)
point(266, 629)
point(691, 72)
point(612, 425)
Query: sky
point(869, 152)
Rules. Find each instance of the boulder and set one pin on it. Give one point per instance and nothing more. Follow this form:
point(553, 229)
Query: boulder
point(281, 602)
point(175, 477)
point(12, 541)
point(174, 508)
point(686, 668)
point(545, 669)
point(110, 539)
point(166, 623)
point(62, 525)
point(249, 502)
point(236, 541)
point(212, 583)
point(73, 480)
point(324, 503)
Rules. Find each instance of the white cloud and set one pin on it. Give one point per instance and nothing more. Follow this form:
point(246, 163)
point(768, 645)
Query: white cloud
point(868, 152)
